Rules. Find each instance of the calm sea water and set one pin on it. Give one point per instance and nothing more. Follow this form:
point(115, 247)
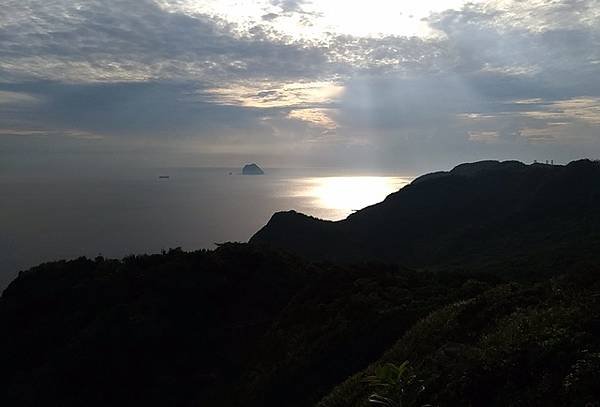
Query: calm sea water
point(52, 217)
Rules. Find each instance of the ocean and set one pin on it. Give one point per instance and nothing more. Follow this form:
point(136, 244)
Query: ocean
point(51, 217)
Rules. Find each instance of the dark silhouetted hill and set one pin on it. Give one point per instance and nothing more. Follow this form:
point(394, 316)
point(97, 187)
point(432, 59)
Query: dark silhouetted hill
point(493, 215)
point(238, 326)
point(474, 287)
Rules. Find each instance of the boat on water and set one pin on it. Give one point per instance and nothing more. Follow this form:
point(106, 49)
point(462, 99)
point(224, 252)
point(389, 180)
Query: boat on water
point(164, 176)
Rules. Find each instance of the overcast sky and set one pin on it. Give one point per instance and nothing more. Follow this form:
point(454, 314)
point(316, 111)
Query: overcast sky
point(372, 84)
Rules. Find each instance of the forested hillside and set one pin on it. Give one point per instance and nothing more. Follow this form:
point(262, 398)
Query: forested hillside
point(476, 287)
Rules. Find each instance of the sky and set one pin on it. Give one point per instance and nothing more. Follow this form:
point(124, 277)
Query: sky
point(406, 85)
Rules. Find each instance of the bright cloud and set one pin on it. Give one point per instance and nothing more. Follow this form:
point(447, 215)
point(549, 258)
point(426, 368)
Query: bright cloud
point(269, 95)
point(317, 19)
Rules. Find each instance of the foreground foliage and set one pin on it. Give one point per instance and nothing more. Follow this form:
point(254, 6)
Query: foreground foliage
point(237, 326)
point(514, 345)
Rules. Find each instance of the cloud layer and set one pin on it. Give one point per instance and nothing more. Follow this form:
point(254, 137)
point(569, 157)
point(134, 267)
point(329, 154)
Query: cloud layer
point(506, 79)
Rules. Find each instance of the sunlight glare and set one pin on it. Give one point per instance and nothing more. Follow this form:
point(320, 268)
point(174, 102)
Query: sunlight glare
point(343, 195)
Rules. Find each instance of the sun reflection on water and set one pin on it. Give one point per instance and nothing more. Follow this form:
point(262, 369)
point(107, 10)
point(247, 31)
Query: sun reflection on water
point(335, 198)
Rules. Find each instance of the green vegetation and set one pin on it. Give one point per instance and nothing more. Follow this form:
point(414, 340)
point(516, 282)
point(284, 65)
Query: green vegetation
point(239, 325)
point(396, 386)
point(500, 307)
point(514, 345)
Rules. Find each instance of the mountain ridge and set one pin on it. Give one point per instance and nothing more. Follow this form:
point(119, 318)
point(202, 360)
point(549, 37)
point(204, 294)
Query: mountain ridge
point(484, 206)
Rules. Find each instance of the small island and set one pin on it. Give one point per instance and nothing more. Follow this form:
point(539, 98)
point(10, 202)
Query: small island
point(252, 169)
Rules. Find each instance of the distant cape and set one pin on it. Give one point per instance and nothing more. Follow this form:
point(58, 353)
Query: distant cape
point(478, 213)
point(252, 169)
